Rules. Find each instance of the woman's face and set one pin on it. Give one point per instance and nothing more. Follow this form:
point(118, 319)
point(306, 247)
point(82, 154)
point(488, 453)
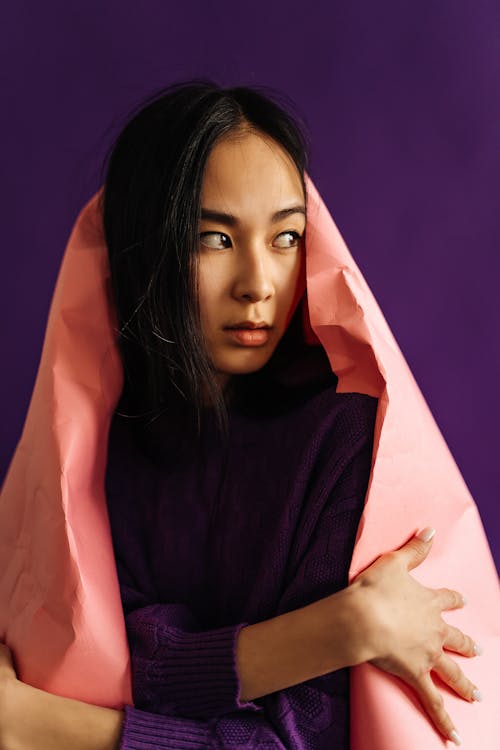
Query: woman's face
point(251, 261)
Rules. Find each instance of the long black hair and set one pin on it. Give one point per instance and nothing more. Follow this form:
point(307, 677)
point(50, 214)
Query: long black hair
point(150, 204)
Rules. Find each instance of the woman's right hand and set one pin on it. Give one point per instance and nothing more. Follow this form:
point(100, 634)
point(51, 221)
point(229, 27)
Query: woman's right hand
point(406, 633)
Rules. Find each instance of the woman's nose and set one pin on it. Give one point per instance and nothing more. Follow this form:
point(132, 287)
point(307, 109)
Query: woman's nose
point(253, 276)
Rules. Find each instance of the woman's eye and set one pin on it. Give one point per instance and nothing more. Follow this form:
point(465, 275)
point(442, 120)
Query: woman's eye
point(213, 239)
point(219, 240)
point(294, 235)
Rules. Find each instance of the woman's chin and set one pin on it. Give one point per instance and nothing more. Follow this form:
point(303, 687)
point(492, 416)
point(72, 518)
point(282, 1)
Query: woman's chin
point(246, 362)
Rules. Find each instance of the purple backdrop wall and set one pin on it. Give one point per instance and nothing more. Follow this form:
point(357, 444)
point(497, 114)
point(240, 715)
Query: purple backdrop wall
point(402, 100)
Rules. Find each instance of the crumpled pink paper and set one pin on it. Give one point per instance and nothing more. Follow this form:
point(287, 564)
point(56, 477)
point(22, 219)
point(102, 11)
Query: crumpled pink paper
point(60, 608)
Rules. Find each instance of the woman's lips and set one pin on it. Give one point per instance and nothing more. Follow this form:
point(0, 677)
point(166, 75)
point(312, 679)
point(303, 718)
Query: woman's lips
point(250, 336)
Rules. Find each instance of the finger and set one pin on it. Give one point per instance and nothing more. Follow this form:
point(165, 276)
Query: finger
point(450, 599)
point(6, 661)
point(460, 643)
point(433, 703)
point(417, 548)
point(450, 673)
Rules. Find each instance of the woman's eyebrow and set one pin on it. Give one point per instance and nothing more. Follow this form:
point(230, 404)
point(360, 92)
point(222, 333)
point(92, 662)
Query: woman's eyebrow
point(232, 221)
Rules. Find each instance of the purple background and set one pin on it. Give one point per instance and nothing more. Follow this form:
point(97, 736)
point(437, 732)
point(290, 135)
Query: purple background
point(402, 100)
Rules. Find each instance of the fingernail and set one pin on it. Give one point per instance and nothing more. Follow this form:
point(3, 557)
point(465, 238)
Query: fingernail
point(478, 649)
point(455, 737)
point(464, 600)
point(477, 695)
point(426, 534)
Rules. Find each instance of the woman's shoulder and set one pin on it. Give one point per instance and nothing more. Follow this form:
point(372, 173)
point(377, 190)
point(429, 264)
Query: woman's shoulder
point(354, 403)
point(330, 421)
point(305, 390)
point(349, 416)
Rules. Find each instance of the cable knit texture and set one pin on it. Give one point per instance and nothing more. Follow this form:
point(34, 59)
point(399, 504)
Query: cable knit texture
point(216, 535)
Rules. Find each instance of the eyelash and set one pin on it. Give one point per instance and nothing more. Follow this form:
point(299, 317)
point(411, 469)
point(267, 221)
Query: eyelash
point(297, 236)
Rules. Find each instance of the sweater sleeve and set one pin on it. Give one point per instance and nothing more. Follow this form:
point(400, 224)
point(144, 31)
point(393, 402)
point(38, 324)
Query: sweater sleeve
point(144, 730)
point(179, 669)
point(179, 682)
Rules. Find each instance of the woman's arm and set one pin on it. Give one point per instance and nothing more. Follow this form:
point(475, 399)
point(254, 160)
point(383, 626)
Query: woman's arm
point(354, 625)
point(308, 642)
point(385, 616)
point(181, 670)
point(32, 719)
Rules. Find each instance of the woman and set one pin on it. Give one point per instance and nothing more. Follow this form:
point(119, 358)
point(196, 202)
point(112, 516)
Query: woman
point(236, 473)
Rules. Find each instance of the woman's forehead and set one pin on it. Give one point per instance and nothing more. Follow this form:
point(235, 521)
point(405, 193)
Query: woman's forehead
point(250, 172)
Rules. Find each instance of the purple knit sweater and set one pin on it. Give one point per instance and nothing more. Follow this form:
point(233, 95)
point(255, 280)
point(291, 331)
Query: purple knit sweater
point(213, 536)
